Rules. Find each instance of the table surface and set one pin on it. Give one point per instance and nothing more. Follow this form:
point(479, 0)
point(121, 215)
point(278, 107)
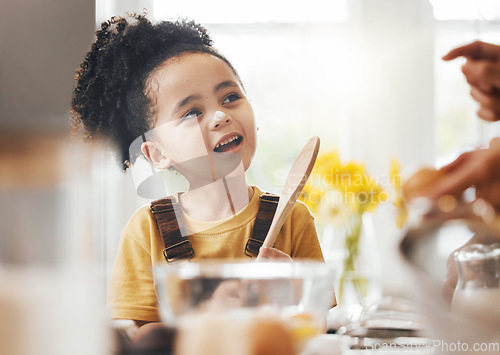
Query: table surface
point(333, 344)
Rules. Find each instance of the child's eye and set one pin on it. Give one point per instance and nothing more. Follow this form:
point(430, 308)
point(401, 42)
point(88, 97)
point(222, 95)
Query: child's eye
point(230, 98)
point(191, 114)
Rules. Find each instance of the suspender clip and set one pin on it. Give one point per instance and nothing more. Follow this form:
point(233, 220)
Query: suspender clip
point(179, 251)
point(252, 247)
point(159, 208)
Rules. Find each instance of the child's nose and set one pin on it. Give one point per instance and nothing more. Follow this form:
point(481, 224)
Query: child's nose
point(220, 119)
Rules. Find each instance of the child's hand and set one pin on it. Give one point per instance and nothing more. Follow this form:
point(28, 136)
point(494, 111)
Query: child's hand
point(273, 254)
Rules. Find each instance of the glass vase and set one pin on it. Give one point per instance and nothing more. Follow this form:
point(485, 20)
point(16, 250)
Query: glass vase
point(352, 247)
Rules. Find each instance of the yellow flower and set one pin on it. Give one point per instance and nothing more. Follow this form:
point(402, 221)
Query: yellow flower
point(339, 193)
point(326, 161)
point(333, 209)
point(395, 175)
point(358, 191)
point(399, 203)
point(311, 196)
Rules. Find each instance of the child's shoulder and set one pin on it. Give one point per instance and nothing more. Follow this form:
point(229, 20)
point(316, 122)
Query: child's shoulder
point(142, 216)
point(301, 209)
point(143, 211)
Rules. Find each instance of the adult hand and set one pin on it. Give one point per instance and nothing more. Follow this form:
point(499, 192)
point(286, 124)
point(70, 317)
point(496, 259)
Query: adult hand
point(479, 168)
point(482, 71)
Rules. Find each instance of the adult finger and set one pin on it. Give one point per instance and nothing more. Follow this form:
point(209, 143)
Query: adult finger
point(480, 167)
point(471, 170)
point(475, 50)
point(462, 159)
point(488, 101)
point(495, 145)
point(488, 114)
point(483, 74)
point(475, 77)
point(490, 192)
point(453, 184)
point(479, 84)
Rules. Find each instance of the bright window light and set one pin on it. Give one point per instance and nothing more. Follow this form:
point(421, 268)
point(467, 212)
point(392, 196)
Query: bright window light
point(488, 10)
point(454, 10)
point(220, 11)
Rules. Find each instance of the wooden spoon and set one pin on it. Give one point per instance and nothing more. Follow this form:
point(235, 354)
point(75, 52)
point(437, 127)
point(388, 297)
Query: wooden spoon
point(297, 178)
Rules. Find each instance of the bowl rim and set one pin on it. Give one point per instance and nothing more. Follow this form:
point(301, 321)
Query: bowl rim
point(234, 268)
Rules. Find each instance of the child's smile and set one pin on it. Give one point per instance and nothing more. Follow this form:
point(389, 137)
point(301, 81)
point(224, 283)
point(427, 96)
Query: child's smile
point(229, 143)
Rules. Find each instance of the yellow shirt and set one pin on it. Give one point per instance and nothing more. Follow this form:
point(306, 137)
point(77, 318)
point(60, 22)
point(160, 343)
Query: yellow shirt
point(131, 288)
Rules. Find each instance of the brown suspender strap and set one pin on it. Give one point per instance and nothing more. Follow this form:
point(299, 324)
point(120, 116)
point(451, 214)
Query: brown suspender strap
point(265, 214)
point(177, 247)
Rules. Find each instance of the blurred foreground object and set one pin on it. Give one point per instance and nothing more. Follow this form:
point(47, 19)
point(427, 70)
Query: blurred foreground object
point(417, 184)
point(217, 333)
point(51, 300)
point(290, 300)
point(478, 168)
point(477, 294)
point(434, 248)
point(387, 323)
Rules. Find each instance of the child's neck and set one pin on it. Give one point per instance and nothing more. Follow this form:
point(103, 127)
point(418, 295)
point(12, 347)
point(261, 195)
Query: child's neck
point(218, 200)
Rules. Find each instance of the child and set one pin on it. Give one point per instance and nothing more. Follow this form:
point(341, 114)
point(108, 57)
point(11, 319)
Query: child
point(166, 81)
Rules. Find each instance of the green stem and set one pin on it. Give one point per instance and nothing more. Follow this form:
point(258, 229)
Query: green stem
point(349, 273)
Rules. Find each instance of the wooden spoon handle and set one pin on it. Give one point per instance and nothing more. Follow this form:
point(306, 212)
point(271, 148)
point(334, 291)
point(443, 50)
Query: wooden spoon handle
point(297, 178)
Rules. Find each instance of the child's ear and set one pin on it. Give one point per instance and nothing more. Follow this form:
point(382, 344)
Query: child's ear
point(153, 152)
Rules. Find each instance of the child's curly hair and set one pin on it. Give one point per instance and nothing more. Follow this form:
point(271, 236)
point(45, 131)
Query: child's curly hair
point(111, 98)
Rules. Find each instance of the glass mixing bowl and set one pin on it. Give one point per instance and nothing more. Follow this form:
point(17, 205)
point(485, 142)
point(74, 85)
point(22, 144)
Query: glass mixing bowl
point(297, 295)
point(291, 288)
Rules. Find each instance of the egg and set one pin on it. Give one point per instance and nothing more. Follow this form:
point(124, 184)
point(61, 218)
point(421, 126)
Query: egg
point(270, 336)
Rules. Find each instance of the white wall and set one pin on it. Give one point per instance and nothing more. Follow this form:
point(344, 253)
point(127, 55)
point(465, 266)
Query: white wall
point(393, 110)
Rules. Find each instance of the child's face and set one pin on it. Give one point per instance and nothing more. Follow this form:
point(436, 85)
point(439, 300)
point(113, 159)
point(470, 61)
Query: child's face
point(201, 107)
